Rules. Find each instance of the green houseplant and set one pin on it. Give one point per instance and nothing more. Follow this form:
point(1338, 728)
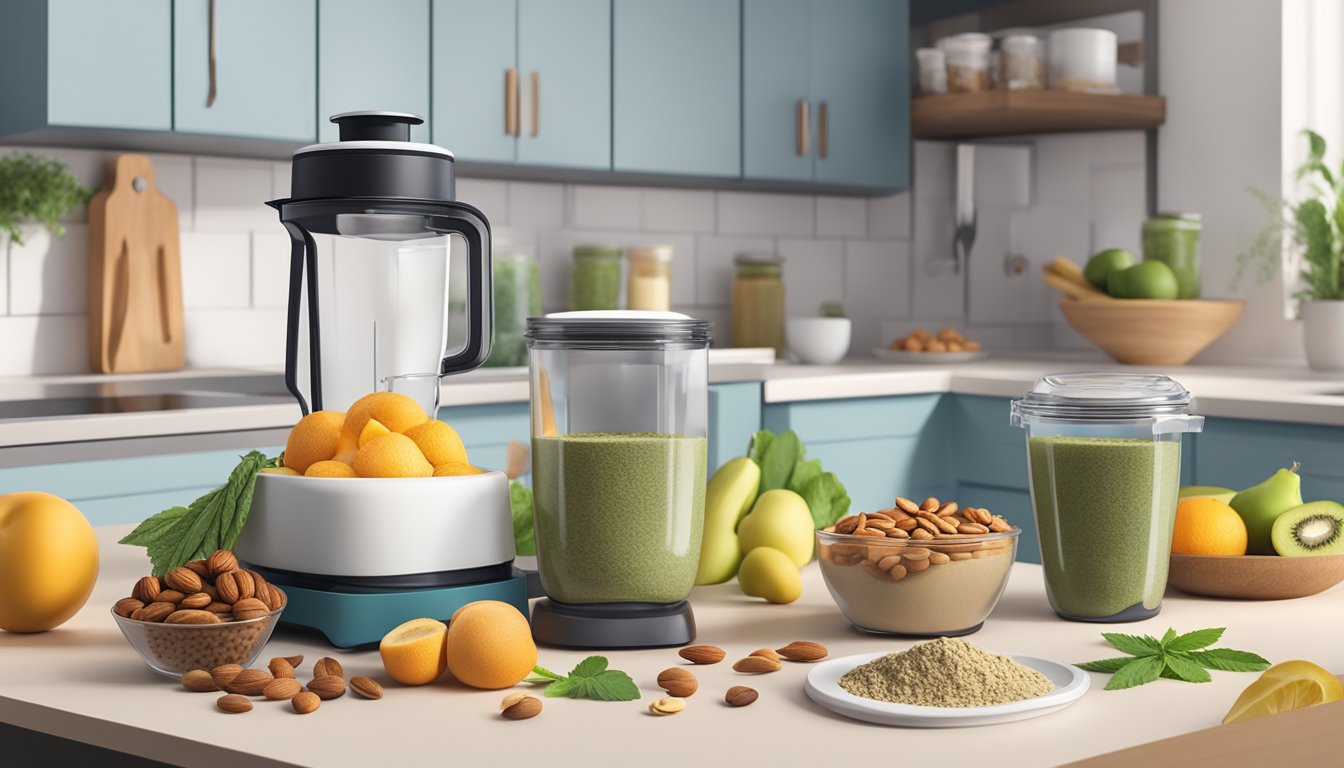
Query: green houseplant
point(1312, 227)
point(36, 189)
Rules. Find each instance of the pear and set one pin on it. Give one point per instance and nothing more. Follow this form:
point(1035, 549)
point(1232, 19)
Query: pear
point(781, 520)
point(728, 498)
point(1260, 505)
point(1208, 492)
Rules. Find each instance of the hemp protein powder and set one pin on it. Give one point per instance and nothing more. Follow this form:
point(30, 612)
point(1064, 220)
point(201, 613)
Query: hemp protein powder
point(946, 672)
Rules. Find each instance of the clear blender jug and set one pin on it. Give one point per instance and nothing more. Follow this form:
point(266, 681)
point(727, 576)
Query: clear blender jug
point(619, 411)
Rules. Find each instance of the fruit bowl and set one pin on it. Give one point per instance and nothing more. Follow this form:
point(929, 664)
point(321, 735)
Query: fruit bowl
point(172, 649)
point(1151, 331)
point(1255, 577)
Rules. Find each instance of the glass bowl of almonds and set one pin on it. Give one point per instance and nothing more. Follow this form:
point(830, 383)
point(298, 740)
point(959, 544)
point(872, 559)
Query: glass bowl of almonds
point(200, 615)
point(932, 568)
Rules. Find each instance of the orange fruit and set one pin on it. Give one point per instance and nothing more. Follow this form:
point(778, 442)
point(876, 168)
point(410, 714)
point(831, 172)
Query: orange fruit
point(372, 428)
point(392, 455)
point(282, 471)
point(490, 645)
point(439, 442)
point(457, 469)
point(329, 469)
point(314, 438)
point(397, 412)
point(413, 652)
point(1207, 526)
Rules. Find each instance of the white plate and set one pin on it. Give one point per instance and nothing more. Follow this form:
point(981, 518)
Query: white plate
point(928, 358)
point(823, 687)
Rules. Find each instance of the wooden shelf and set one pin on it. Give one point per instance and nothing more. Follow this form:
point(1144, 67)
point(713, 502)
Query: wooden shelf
point(1012, 113)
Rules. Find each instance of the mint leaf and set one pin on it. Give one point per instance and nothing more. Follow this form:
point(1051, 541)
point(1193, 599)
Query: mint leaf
point(1200, 638)
point(590, 679)
point(1138, 671)
point(612, 685)
point(542, 674)
point(1106, 665)
point(1229, 660)
point(589, 667)
point(1134, 645)
point(565, 687)
point(153, 528)
point(520, 509)
point(1184, 668)
point(1167, 637)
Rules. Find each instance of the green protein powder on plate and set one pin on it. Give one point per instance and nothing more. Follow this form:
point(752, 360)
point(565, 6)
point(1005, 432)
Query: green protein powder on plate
point(946, 672)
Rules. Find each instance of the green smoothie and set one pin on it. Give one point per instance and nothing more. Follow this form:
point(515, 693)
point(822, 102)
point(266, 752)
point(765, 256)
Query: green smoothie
point(1104, 512)
point(1173, 238)
point(618, 516)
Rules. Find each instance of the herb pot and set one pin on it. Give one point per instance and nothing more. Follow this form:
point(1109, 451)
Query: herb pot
point(1323, 332)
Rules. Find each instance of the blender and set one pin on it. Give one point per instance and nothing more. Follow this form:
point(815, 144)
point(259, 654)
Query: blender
point(374, 227)
point(619, 412)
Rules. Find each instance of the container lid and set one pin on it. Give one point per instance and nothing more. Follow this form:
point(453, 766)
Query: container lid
point(584, 251)
point(967, 42)
point(1101, 397)
point(618, 328)
point(1193, 218)
point(758, 259)
point(659, 253)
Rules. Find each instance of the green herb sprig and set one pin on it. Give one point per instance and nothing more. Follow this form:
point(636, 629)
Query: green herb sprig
point(590, 679)
point(1176, 657)
point(37, 189)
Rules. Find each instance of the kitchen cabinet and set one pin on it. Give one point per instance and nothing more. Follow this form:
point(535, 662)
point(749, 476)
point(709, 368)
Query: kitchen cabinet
point(527, 81)
point(1237, 453)
point(826, 92)
point(86, 63)
point(676, 87)
point(265, 69)
point(372, 56)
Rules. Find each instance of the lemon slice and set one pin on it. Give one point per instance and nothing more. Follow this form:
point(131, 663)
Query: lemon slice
point(1283, 687)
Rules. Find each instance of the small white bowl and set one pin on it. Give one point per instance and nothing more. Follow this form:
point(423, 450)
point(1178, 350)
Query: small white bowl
point(819, 340)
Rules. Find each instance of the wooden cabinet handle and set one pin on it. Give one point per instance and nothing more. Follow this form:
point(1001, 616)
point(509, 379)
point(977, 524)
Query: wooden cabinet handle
point(800, 130)
point(210, 95)
point(536, 102)
point(511, 101)
point(822, 122)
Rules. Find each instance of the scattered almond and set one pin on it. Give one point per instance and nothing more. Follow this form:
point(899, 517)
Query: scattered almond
point(199, 680)
point(281, 667)
point(740, 696)
point(520, 706)
point(305, 702)
point(126, 606)
point(678, 682)
point(294, 661)
point(281, 689)
point(803, 650)
point(234, 704)
point(327, 687)
point(702, 654)
point(765, 653)
point(366, 687)
point(249, 682)
point(328, 666)
point(756, 665)
point(668, 705)
point(224, 674)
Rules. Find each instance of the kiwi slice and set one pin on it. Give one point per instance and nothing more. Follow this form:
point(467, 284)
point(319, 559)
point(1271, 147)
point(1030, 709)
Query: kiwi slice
point(1316, 528)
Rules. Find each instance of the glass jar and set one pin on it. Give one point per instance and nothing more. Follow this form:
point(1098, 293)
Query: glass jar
point(649, 285)
point(967, 62)
point(758, 302)
point(1083, 60)
point(517, 286)
point(1104, 463)
point(1023, 63)
point(932, 71)
point(595, 278)
point(1173, 238)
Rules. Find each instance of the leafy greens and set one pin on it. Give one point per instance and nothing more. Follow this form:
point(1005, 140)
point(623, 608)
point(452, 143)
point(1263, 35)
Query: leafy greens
point(1175, 657)
point(783, 465)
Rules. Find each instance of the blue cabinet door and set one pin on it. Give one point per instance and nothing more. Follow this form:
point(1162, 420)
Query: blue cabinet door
point(265, 69)
point(1237, 454)
point(475, 45)
point(109, 64)
point(776, 79)
point(861, 81)
point(564, 71)
point(372, 56)
point(676, 95)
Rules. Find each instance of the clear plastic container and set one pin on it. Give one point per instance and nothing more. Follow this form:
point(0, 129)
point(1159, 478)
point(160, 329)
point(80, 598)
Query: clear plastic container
point(758, 302)
point(1083, 59)
point(967, 62)
point(1173, 238)
point(595, 278)
point(172, 649)
point(649, 285)
point(517, 287)
point(1023, 63)
point(932, 70)
point(1104, 460)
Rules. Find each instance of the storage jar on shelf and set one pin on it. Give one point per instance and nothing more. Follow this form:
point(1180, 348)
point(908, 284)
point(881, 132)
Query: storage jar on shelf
point(595, 278)
point(758, 302)
point(649, 285)
point(517, 287)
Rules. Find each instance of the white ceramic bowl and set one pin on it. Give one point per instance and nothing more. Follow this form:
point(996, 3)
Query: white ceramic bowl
point(818, 340)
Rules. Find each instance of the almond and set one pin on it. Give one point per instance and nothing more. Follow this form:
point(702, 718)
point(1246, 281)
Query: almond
point(198, 600)
point(234, 704)
point(221, 561)
point(224, 674)
point(278, 599)
point(668, 705)
point(328, 666)
point(327, 687)
point(931, 504)
point(765, 653)
point(249, 682)
point(511, 699)
point(154, 612)
point(294, 661)
point(305, 702)
point(755, 665)
point(366, 687)
point(281, 668)
point(246, 586)
point(126, 606)
point(805, 651)
point(146, 589)
point(281, 689)
point(740, 696)
point(199, 680)
point(521, 708)
point(227, 587)
point(190, 616)
point(678, 682)
point(249, 608)
point(183, 580)
point(702, 654)
point(907, 506)
point(170, 596)
point(199, 568)
point(222, 609)
point(261, 589)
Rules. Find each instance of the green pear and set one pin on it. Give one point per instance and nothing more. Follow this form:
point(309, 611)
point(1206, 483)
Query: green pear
point(1260, 505)
point(728, 497)
point(767, 572)
point(1208, 492)
point(780, 519)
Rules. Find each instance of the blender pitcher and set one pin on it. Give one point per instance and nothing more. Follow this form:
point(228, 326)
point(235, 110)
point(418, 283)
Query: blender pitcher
point(619, 412)
point(374, 228)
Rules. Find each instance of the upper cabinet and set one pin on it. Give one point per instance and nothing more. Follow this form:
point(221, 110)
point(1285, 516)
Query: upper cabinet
point(262, 56)
point(524, 81)
point(826, 92)
point(372, 56)
point(677, 87)
point(85, 63)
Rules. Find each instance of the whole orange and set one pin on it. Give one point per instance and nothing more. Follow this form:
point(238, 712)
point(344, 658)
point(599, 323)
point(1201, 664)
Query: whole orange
point(391, 455)
point(313, 439)
point(395, 411)
point(490, 645)
point(1208, 527)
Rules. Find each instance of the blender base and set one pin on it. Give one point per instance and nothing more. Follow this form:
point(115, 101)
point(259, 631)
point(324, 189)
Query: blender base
point(612, 625)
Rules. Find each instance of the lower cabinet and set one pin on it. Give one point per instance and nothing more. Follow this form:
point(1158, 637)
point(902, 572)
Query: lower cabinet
point(1237, 453)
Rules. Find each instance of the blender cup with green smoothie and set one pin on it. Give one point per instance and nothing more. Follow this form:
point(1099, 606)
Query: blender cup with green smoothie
point(1104, 455)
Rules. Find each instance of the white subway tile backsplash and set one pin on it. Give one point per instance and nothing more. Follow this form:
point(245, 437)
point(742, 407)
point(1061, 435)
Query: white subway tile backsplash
point(889, 217)
point(593, 207)
point(270, 269)
point(536, 205)
point(42, 345)
point(1033, 336)
point(49, 275)
point(1062, 169)
point(715, 270)
point(842, 217)
point(1117, 207)
point(488, 195)
point(231, 195)
point(281, 175)
point(937, 290)
point(814, 273)
point(935, 169)
point(216, 270)
point(753, 213)
point(995, 296)
point(1003, 175)
point(679, 210)
point(877, 279)
point(235, 338)
point(175, 175)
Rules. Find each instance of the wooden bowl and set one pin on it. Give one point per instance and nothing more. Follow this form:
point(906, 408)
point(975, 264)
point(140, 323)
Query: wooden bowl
point(1151, 331)
point(1255, 577)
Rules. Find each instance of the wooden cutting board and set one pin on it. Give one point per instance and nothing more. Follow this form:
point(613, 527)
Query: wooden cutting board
point(135, 273)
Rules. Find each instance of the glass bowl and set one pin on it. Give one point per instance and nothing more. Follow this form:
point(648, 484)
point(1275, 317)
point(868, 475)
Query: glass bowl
point(172, 649)
point(928, 587)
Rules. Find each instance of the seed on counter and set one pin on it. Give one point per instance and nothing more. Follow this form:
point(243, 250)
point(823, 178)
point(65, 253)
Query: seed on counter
point(668, 705)
point(305, 702)
point(328, 666)
point(280, 667)
point(765, 653)
point(282, 689)
point(520, 706)
point(702, 654)
point(678, 682)
point(366, 687)
point(756, 665)
point(234, 704)
point(804, 651)
point(199, 681)
point(328, 687)
point(740, 696)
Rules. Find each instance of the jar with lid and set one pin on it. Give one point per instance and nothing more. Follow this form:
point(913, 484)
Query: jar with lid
point(517, 287)
point(758, 302)
point(967, 62)
point(1023, 63)
point(1083, 60)
point(932, 71)
point(649, 285)
point(595, 278)
point(1173, 238)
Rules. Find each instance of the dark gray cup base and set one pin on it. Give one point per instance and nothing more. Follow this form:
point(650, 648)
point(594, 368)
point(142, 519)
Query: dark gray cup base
point(1135, 612)
point(612, 625)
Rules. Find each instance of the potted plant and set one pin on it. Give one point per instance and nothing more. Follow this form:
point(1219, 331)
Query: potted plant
point(36, 190)
point(1313, 228)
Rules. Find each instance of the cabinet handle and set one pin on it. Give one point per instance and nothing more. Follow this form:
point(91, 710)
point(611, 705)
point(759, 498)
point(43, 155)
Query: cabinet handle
point(800, 130)
point(210, 95)
point(822, 125)
point(511, 101)
point(536, 102)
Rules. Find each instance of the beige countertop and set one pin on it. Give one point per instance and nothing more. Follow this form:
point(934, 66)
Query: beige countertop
point(84, 682)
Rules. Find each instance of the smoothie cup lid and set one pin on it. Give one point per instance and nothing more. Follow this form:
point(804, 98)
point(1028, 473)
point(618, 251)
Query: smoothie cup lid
point(1108, 397)
point(617, 329)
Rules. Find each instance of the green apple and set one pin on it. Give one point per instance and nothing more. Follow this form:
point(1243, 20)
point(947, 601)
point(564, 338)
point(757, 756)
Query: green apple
point(781, 520)
point(728, 498)
point(1260, 505)
point(1100, 266)
point(1208, 492)
point(1145, 280)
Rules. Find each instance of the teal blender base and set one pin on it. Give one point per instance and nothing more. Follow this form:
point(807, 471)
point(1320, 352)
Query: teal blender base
point(350, 620)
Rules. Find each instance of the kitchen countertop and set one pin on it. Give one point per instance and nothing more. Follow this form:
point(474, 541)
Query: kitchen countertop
point(84, 682)
point(1281, 393)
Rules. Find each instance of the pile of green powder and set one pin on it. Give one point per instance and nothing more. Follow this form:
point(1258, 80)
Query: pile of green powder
point(946, 672)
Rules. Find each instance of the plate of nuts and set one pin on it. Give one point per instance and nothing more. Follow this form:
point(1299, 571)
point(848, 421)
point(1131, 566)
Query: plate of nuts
point(948, 345)
point(200, 615)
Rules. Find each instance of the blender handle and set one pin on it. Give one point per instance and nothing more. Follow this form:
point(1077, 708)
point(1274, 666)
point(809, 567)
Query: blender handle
point(473, 227)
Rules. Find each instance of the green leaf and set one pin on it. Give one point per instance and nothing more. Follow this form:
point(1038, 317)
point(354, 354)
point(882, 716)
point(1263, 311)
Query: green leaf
point(545, 674)
point(1200, 638)
point(1181, 665)
point(1138, 671)
point(590, 679)
point(589, 667)
point(1167, 637)
point(152, 529)
point(566, 687)
point(779, 459)
point(760, 443)
point(612, 685)
point(1315, 146)
point(520, 507)
point(818, 498)
point(804, 472)
point(37, 189)
point(1109, 666)
point(1228, 660)
point(1134, 645)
